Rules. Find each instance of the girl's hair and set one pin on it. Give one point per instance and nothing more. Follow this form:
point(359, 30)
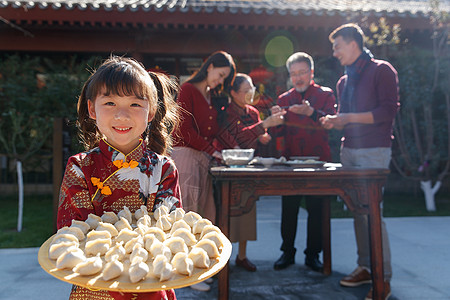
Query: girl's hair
point(219, 98)
point(238, 80)
point(126, 77)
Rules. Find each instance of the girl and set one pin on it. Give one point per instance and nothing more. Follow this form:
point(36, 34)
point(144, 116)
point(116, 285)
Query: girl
point(125, 118)
point(200, 138)
point(244, 123)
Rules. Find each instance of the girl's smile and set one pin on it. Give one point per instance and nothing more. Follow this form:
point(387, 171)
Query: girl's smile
point(121, 119)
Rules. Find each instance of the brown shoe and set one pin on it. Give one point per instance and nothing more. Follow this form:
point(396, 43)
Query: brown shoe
point(246, 264)
point(359, 276)
point(387, 291)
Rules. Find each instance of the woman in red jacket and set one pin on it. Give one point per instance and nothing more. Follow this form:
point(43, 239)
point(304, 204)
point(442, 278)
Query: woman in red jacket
point(245, 124)
point(200, 138)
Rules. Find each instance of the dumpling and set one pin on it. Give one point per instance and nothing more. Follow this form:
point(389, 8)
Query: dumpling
point(75, 231)
point(138, 271)
point(113, 269)
point(90, 266)
point(97, 246)
point(82, 225)
point(57, 249)
point(180, 224)
point(199, 225)
point(209, 228)
point(131, 243)
point(126, 213)
point(176, 244)
point(191, 217)
point(138, 251)
point(94, 234)
point(145, 220)
point(162, 210)
point(70, 259)
point(209, 246)
point(125, 235)
point(93, 221)
point(176, 214)
point(200, 258)
point(166, 272)
point(122, 224)
point(117, 251)
point(109, 217)
point(158, 264)
point(58, 238)
point(140, 212)
point(183, 264)
point(107, 227)
point(164, 223)
point(159, 234)
point(141, 229)
point(149, 239)
point(158, 248)
point(186, 235)
point(214, 236)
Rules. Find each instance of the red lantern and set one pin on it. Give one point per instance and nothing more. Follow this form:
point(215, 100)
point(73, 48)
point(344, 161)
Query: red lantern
point(260, 75)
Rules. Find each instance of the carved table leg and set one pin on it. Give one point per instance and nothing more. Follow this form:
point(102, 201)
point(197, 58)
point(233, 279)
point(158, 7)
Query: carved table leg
point(376, 247)
point(224, 224)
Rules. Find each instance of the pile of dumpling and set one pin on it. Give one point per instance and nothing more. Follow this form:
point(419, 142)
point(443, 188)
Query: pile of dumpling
point(138, 245)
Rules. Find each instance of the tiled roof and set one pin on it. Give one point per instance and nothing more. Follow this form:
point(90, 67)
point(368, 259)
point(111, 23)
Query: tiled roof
point(270, 7)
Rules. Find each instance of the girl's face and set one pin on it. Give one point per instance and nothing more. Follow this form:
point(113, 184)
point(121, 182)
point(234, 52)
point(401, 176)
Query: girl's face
point(121, 119)
point(245, 94)
point(216, 75)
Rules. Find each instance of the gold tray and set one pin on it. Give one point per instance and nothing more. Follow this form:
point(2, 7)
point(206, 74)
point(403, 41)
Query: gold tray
point(123, 283)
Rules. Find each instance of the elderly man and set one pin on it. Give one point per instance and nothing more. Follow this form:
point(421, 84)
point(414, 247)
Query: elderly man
point(368, 101)
point(302, 135)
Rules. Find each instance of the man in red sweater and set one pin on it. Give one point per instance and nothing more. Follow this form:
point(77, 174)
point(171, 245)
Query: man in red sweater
point(302, 135)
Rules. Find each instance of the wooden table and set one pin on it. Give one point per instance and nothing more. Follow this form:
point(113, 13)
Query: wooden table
point(239, 188)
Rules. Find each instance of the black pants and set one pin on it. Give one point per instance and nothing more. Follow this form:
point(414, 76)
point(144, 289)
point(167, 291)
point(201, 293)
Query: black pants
point(289, 216)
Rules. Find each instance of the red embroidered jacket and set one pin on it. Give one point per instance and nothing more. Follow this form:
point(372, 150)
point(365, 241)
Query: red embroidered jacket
point(104, 179)
point(245, 124)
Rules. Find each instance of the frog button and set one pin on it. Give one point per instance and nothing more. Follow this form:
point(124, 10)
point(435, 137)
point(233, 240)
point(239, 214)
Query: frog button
point(210, 117)
point(210, 107)
point(209, 127)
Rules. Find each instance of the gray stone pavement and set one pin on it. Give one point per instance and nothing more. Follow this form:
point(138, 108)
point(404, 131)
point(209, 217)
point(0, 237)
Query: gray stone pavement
point(420, 254)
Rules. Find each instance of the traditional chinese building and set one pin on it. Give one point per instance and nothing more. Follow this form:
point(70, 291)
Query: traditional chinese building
point(176, 34)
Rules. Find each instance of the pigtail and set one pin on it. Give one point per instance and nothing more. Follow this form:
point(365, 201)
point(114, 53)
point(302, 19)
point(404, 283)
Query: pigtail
point(88, 132)
point(158, 135)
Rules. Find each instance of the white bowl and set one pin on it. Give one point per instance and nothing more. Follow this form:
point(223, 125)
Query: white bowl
point(234, 157)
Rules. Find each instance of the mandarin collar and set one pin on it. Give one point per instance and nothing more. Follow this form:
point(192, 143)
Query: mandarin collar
point(113, 154)
point(238, 109)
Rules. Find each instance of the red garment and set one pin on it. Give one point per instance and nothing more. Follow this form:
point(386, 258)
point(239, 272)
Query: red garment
point(105, 179)
point(304, 136)
point(199, 128)
point(377, 92)
point(245, 124)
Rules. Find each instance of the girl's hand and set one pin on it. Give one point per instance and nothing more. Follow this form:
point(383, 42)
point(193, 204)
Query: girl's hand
point(265, 138)
point(275, 119)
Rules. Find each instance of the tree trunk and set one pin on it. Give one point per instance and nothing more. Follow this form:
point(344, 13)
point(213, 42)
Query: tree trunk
point(429, 192)
point(20, 185)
